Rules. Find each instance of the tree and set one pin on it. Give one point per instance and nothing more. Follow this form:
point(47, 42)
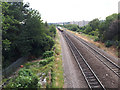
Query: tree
point(72, 27)
point(94, 24)
point(88, 29)
point(112, 32)
point(52, 30)
point(105, 26)
point(24, 33)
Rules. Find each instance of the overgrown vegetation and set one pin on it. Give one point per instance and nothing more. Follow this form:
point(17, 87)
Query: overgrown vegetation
point(25, 79)
point(44, 73)
point(72, 27)
point(57, 71)
point(48, 60)
point(48, 54)
point(105, 31)
point(23, 32)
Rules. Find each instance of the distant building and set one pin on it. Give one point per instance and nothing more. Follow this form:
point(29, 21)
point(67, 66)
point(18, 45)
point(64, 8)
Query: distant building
point(80, 23)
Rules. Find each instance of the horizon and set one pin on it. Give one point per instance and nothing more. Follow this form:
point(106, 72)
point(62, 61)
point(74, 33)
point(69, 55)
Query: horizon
point(75, 21)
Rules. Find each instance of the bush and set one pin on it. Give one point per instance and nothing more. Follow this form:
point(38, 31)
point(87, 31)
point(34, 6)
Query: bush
point(43, 62)
point(57, 51)
point(48, 60)
point(108, 43)
point(25, 79)
point(25, 72)
point(96, 39)
point(48, 54)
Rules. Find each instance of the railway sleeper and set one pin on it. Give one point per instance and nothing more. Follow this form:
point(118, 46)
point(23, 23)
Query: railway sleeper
point(92, 80)
point(81, 62)
point(84, 66)
point(88, 75)
point(98, 86)
point(94, 83)
point(85, 70)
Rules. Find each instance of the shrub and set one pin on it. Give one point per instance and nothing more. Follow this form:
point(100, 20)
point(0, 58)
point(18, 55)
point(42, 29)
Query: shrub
point(48, 54)
point(96, 39)
point(25, 72)
point(108, 43)
point(25, 79)
point(57, 51)
point(48, 60)
point(43, 62)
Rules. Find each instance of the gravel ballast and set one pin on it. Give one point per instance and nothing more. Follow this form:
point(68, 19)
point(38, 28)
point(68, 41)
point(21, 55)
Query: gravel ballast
point(106, 76)
point(73, 77)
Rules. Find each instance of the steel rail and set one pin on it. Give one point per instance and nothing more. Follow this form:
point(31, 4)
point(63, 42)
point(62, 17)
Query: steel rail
point(89, 75)
point(105, 60)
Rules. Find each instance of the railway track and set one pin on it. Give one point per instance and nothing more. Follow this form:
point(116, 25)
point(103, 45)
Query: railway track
point(90, 77)
point(105, 60)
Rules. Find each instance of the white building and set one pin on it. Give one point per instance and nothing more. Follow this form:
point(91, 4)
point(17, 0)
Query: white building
point(80, 23)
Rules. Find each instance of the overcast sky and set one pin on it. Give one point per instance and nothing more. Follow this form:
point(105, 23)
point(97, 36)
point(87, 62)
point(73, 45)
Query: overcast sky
point(73, 10)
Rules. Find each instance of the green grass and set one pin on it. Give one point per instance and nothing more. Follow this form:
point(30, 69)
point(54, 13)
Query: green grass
point(57, 74)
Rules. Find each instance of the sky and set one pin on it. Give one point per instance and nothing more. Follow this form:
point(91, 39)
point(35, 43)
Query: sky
point(54, 11)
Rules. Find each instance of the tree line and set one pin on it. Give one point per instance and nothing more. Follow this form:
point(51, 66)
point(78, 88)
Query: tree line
point(106, 31)
point(23, 32)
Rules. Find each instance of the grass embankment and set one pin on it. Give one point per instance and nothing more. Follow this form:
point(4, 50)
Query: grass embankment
point(48, 71)
point(58, 69)
point(111, 50)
